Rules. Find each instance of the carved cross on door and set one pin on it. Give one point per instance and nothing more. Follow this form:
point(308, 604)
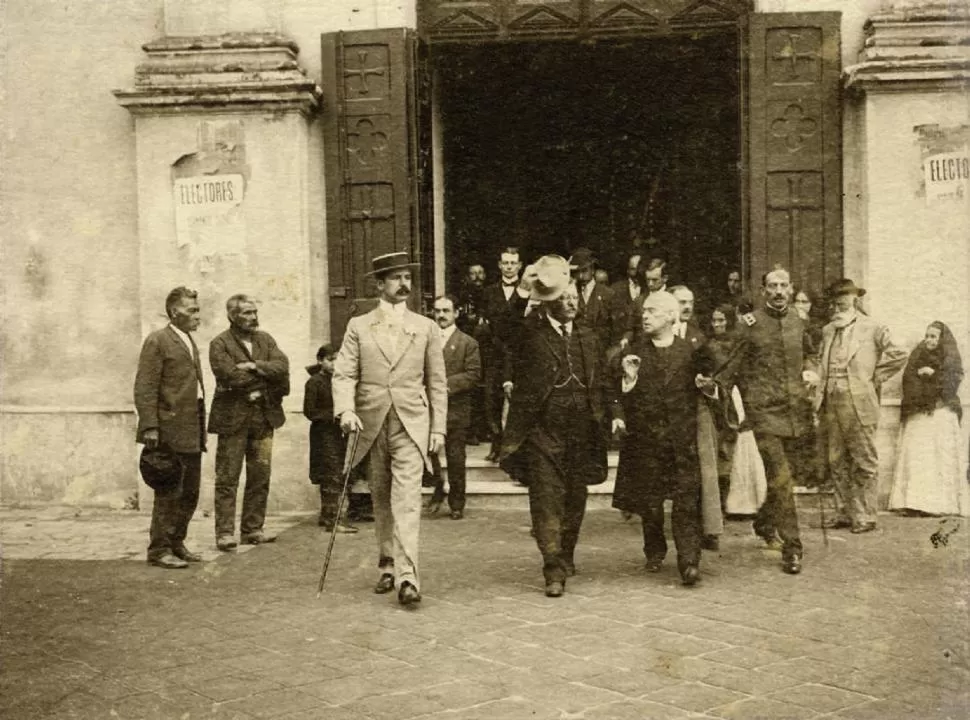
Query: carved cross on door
point(796, 202)
point(366, 212)
point(362, 71)
point(790, 54)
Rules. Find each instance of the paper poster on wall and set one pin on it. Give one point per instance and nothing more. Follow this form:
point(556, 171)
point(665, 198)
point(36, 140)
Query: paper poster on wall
point(208, 216)
point(946, 175)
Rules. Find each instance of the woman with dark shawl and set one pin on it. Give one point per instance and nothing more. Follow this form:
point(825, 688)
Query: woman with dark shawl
point(929, 470)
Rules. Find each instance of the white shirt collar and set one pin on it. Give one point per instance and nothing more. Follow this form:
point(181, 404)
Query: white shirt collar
point(392, 310)
point(447, 333)
point(588, 290)
point(557, 326)
point(185, 338)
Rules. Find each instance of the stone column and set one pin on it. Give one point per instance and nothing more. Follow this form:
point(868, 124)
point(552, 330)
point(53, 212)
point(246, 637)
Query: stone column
point(221, 132)
point(909, 92)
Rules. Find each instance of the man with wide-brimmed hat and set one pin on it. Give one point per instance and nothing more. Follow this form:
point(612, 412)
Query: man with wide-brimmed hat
point(857, 357)
point(555, 439)
point(389, 384)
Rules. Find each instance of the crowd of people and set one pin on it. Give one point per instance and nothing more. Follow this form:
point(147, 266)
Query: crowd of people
point(722, 411)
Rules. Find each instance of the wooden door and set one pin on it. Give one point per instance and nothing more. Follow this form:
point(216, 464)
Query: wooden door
point(795, 147)
point(374, 160)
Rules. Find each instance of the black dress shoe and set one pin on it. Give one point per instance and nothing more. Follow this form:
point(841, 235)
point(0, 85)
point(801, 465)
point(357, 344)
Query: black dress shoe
point(168, 561)
point(183, 553)
point(408, 594)
point(792, 565)
point(555, 588)
point(690, 575)
point(654, 566)
point(434, 506)
point(570, 567)
point(457, 514)
point(385, 584)
point(838, 523)
point(257, 538)
point(492, 456)
point(863, 528)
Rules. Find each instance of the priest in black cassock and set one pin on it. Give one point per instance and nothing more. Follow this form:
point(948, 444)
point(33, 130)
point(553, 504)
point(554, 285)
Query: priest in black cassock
point(655, 408)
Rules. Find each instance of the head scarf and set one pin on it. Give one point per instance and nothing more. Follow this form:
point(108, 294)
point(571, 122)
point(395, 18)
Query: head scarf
point(920, 394)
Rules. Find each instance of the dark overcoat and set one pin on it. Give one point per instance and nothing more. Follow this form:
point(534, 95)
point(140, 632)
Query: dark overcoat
point(326, 439)
point(539, 356)
point(595, 314)
point(660, 412)
point(231, 404)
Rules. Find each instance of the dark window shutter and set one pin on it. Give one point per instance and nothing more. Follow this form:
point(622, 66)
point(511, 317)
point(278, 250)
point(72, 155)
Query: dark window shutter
point(372, 159)
point(795, 146)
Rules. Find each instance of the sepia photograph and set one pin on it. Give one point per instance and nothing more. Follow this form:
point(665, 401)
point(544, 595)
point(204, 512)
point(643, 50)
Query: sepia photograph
point(484, 359)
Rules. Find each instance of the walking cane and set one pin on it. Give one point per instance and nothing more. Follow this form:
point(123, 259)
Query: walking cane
point(347, 469)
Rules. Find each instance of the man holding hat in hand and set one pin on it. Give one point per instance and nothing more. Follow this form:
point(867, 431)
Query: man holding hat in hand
point(857, 357)
point(555, 439)
point(389, 384)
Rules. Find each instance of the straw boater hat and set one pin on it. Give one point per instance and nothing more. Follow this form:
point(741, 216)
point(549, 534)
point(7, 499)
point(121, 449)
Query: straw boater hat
point(390, 261)
point(551, 278)
point(845, 287)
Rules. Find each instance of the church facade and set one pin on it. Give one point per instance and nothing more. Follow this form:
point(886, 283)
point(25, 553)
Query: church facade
point(274, 146)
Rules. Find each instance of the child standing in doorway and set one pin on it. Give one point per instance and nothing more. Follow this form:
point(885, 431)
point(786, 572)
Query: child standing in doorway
point(326, 440)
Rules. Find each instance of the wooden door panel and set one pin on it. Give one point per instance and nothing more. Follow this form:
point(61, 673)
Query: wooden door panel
point(370, 161)
point(794, 151)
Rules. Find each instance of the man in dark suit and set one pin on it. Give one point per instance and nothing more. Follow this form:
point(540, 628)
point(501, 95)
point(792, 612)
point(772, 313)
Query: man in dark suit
point(623, 294)
point(170, 401)
point(686, 327)
point(594, 299)
point(463, 366)
point(498, 300)
point(555, 440)
point(655, 406)
point(252, 377)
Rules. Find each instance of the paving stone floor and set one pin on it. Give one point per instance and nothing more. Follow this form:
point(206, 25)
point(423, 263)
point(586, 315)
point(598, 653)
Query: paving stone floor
point(875, 628)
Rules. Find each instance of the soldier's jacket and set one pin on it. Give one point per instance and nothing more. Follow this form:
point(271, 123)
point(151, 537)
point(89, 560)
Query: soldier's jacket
point(773, 350)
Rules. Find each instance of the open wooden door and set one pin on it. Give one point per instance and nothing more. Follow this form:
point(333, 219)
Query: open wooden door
point(374, 164)
point(795, 146)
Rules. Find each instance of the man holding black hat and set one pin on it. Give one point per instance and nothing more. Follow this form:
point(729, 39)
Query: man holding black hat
point(389, 384)
point(555, 439)
point(857, 357)
point(170, 402)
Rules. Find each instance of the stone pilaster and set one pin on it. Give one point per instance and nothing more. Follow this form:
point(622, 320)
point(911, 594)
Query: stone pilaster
point(222, 145)
point(909, 187)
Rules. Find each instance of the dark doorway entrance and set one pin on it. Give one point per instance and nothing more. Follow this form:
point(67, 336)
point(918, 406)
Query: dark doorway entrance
point(553, 145)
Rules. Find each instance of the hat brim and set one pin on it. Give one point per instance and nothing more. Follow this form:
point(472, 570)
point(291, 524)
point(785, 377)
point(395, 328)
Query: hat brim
point(858, 292)
point(384, 271)
point(546, 294)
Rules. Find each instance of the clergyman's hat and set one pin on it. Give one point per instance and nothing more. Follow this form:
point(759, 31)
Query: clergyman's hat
point(390, 261)
point(845, 287)
point(161, 469)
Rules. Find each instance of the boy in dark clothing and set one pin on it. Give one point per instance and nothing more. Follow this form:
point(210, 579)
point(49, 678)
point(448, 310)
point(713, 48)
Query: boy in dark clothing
point(326, 440)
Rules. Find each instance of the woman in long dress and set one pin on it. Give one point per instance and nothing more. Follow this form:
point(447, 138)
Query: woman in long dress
point(929, 475)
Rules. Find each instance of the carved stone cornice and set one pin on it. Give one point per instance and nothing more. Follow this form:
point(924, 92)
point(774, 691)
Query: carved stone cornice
point(235, 72)
point(914, 47)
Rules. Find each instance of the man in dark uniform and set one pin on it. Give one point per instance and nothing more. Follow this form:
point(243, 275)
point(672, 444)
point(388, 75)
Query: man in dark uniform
point(773, 365)
point(498, 301)
point(555, 440)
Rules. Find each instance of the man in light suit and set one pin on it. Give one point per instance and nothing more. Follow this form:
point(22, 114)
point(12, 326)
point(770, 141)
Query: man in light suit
point(463, 366)
point(857, 357)
point(389, 384)
point(170, 401)
point(252, 377)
